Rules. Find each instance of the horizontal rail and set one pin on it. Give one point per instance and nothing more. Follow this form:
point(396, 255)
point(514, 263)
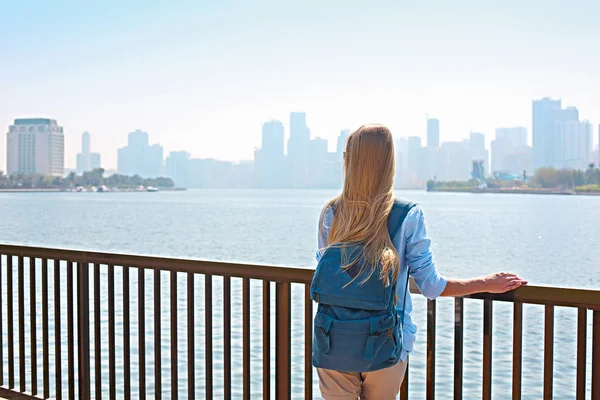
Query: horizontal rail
point(250, 271)
point(545, 295)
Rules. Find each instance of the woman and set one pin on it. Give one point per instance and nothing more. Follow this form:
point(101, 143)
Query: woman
point(378, 243)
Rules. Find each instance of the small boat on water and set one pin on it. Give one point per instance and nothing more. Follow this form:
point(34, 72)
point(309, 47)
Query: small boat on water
point(151, 189)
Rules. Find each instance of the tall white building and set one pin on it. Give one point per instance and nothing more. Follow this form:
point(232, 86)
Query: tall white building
point(455, 161)
point(559, 138)
point(510, 152)
point(178, 164)
point(269, 160)
point(139, 158)
point(433, 132)
point(574, 141)
point(87, 161)
point(298, 150)
point(35, 146)
point(416, 161)
point(478, 150)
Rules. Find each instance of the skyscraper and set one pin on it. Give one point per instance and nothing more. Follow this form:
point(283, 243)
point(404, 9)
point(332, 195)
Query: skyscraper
point(139, 158)
point(455, 161)
point(416, 163)
point(433, 133)
point(87, 161)
point(177, 165)
point(478, 150)
point(298, 150)
point(270, 158)
point(574, 142)
point(477, 140)
point(35, 146)
point(516, 136)
point(510, 152)
point(545, 112)
point(560, 140)
point(341, 142)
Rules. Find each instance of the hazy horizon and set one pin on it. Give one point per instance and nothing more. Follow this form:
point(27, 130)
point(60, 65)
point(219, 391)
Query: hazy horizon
point(205, 77)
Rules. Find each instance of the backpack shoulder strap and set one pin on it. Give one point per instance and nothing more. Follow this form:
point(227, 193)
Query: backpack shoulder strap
point(398, 214)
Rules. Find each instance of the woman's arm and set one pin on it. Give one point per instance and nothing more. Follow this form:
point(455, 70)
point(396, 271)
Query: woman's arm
point(495, 283)
point(422, 267)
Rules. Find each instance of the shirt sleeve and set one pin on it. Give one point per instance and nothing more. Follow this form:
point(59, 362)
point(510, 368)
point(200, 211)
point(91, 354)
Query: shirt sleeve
point(322, 230)
point(418, 255)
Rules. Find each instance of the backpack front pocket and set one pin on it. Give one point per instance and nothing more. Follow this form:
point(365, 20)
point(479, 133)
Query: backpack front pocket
point(354, 346)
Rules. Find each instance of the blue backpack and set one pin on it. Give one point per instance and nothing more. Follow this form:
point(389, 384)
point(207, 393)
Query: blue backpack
point(356, 328)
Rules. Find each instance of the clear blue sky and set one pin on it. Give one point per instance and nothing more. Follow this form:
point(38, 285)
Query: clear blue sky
point(203, 76)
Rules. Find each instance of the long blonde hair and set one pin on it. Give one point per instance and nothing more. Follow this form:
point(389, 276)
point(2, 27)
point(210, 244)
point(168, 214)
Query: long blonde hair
point(362, 209)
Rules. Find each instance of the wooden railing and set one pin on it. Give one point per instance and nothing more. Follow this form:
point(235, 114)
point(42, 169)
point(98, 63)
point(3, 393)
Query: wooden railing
point(87, 266)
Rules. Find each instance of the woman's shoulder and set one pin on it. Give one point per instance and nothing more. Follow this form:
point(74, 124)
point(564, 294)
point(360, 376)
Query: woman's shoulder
point(409, 206)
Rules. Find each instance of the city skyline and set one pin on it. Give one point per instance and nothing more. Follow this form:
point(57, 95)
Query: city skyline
point(303, 158)
point(205, 76)
point(431, 124)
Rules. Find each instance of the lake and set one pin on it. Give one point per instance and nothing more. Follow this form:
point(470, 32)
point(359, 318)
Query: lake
point(549, 240)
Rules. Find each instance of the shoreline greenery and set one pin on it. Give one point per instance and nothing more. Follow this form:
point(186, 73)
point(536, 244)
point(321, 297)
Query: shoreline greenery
point(544, 178)
point(87, 179)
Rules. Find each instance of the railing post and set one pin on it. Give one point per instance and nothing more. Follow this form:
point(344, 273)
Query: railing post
point(596, 355)
point(283, 355)
point(458, 347)
point(431, 317)
point(487, 349)
point(83, 322)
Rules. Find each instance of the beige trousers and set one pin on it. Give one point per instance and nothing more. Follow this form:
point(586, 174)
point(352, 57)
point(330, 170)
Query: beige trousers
point(383, 384)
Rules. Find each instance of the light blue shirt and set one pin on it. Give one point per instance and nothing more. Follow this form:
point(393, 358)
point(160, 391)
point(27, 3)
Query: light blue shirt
point(414, 247)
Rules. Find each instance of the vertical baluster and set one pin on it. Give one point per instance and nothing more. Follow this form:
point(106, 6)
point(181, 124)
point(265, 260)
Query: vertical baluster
point(10, 322)
point(46, 329)
point(581, 352)
point(548, 351)
point(111, 334)
point(458, 347)
point(57, 328)
point(487, 349)
point(83, 329)
point(246, 337)
point(191, 338)
point(157, 337)
point(431, 317)
point(282, 341)
point(70, 332)
point(404, 387)
point(21, 294)
point(174, 365)
point(208, 338)
point(142, 332)
point(32, 325)
point(308, 336)
point(97, 333)
point(226, 342)
point(517, 350)
point(596, 356)
point(266, 331)
point(126, 336)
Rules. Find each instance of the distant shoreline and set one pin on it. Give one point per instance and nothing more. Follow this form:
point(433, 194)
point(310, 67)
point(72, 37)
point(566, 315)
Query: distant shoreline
point(87, 191)
point(521, 191)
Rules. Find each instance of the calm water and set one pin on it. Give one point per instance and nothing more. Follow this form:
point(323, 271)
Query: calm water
point(550, 240)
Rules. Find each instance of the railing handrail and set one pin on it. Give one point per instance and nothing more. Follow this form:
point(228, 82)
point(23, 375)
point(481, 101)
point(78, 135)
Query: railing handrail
point(544, 295)
point(217, 268)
